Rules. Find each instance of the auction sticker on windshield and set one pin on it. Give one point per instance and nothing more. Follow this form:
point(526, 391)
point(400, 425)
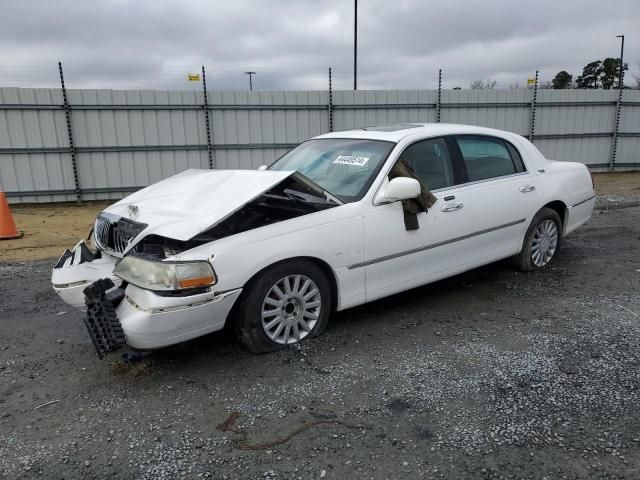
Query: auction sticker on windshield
point(351, 160)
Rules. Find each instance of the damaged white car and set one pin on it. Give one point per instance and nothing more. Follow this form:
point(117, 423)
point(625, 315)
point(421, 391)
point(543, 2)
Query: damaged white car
point(342, 219)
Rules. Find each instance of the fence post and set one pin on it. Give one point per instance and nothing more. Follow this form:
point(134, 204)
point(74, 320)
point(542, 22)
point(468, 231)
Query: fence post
point(616, 126)
point(439, 95)
point(330, 103)
point(206, 118)
point(72, 149)
point(532, 125)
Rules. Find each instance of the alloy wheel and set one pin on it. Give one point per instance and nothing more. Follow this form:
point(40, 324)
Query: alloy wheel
point(290, 309)
point(544, 243)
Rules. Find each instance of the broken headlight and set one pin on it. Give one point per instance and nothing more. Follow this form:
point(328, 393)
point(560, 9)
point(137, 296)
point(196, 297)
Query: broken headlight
point(165, 276)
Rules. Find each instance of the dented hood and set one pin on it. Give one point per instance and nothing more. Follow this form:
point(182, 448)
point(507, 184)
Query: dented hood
point(193, 201)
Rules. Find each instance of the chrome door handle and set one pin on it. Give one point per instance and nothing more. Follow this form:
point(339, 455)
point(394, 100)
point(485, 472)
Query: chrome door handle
point(527, 188)
point(451, 207)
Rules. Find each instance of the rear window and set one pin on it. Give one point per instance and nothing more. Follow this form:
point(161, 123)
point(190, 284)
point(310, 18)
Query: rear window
point(488, 157)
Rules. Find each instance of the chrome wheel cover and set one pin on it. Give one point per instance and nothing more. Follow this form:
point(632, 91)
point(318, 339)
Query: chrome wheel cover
point(290, 309)
point(544, 243)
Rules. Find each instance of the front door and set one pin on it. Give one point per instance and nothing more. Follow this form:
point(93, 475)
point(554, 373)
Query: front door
point(396, 258)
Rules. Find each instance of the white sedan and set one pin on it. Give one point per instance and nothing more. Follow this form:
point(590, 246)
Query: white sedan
point(343, 219)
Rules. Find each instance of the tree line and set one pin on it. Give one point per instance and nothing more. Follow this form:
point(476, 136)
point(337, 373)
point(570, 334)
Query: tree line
point(597, 74)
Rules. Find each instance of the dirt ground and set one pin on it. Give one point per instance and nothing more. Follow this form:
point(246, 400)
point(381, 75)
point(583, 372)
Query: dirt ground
point(618, 183)
point(493, 374)
point(49, 229)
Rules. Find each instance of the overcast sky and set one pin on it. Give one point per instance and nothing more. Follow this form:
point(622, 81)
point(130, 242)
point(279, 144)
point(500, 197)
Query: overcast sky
point(291, 43)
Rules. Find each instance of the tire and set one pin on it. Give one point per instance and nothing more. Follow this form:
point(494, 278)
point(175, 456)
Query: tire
point(297, 310)
point(541, 242)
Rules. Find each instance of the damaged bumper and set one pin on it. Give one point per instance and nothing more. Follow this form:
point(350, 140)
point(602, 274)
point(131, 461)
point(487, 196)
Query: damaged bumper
point(119, 313)
point(101, 320)
point(78, 268)
point(153, 321)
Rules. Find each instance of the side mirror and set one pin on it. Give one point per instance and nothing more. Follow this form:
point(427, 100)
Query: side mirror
point(400, 188)
point(262, 167)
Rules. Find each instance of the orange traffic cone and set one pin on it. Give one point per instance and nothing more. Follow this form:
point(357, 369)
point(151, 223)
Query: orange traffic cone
point(8, 228)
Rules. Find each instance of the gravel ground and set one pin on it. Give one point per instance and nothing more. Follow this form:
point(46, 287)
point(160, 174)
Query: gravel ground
point(490, 374)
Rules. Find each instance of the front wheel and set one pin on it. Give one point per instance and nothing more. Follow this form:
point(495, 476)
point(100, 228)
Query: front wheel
point(541, 242)
point(283, 305)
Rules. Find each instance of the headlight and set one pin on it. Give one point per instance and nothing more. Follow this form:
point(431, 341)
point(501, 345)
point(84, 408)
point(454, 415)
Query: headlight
point(153, 275)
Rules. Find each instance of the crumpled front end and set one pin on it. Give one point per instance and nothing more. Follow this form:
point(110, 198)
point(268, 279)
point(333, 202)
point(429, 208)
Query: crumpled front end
point(119, 313)
point(135, 287)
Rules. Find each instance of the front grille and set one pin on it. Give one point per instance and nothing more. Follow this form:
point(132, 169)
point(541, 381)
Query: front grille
point(113, 233)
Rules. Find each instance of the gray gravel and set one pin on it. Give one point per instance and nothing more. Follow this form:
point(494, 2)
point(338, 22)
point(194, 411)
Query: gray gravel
point(490, 374)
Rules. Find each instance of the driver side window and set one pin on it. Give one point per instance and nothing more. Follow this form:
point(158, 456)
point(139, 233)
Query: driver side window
point(431, 162)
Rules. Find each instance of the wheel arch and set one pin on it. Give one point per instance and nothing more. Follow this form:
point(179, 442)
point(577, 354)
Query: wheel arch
point(321, 264)
point(560, 208)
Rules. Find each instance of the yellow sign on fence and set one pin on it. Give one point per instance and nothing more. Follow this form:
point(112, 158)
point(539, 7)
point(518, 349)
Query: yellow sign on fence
point(193, 77)
point(531, 81)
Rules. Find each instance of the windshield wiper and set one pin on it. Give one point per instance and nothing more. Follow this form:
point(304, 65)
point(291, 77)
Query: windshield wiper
point(314, 186)
point(294, 196)
point(332, 198)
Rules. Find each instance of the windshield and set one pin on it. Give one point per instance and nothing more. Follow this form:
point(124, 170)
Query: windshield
point(345, 167)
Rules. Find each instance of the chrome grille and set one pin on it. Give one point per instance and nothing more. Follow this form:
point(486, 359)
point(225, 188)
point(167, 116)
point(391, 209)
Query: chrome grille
point(113, 234)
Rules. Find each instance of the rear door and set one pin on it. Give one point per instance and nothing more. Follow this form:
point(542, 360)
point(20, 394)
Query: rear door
point(503, 194)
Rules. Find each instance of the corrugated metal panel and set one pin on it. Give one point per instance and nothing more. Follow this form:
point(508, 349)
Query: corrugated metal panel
point(630, 118)
point(630, 113)
point(366, 108)
point(34, 128)
point(268, 125)
point(133, 169)
point(37, 172)
point(513, 115)
point(590, 151)
point(254, 128)
point(135, 127)
point(568, 114)
point(628, 150)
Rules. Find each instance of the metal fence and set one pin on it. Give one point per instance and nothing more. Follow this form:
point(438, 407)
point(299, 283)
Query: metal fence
point(101, 144)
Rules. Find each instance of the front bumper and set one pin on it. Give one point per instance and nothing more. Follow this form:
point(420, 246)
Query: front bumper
point(145, 319)
point(152, 321)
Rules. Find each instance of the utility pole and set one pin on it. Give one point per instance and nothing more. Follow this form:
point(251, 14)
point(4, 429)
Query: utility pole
point(355, 45)
point(620, 81)
point(251, 74)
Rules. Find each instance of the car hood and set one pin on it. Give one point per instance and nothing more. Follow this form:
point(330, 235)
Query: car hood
point(193, 201)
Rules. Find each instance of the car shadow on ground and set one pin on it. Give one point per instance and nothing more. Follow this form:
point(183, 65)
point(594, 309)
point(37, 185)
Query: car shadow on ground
point(349, 324)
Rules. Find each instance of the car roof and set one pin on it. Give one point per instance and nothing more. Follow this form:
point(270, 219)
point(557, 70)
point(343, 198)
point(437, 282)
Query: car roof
point(395, 133)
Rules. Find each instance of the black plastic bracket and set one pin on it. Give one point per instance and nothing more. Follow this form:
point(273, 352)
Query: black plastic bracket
point(101, 320)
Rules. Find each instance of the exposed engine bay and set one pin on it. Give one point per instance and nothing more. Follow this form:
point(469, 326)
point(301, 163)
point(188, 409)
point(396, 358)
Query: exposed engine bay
point(294, 197)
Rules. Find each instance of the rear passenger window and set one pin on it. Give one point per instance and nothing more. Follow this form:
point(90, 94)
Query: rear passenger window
point(487, 157)
point(430, 161)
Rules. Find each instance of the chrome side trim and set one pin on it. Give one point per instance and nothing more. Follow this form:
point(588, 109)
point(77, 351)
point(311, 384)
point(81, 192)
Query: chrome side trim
point(584, 201)
point(433, 245)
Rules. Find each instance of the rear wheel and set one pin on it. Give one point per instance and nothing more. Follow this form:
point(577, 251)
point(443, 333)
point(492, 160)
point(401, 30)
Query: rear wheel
point(541, 241)
point(283, 305)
